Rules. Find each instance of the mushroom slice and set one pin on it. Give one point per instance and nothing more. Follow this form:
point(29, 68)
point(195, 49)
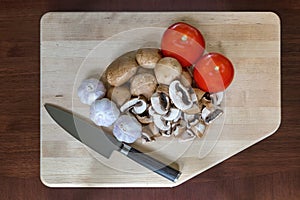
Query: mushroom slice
point(160, 123)
point(137, 105)
point(166, 133)
point(209, 116)
point(147, 135)
point(199, 93)
point(188, 135)
point(178, 128)
point(160, 103)
point(217, 98)
point(180, 96)
point(194, 109)
point(144, 118)
point(172, 114)
point(199, 129)
point(153, 128)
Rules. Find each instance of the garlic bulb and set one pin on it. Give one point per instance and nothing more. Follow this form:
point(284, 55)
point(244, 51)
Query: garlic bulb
point(90, 90)
point(127, 129)
point(104, 112)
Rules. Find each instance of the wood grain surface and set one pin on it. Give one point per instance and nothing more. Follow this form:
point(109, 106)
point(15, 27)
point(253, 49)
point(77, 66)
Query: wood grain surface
point(70, 54)
point(268, 170)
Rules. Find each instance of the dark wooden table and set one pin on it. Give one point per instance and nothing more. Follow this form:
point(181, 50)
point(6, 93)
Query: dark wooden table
point(268, 170)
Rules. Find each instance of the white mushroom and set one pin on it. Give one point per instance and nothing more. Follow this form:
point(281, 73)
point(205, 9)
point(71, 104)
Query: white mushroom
point(180, 96)
point(167, 69)
point(199, 129)
point(143, 84)
point(160, 103)
point(217, 98)
point(148, 57)
point(173, 114)
point(209, 116)
point(160, 123)
point(136, 105)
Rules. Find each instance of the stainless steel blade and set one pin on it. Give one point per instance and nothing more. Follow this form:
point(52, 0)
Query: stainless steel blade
point(90, 135)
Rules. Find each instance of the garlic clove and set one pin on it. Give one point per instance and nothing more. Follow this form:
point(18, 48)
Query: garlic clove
point(90, 90)
point(104, 112)
point(127, 129)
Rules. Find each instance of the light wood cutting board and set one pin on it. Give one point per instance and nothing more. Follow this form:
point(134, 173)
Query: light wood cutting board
point(72, 49)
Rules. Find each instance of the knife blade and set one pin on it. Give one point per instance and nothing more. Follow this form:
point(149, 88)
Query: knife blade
point(105, 143)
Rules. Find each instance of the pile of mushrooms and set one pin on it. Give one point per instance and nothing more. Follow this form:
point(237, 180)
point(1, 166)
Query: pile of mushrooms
point(157, 95)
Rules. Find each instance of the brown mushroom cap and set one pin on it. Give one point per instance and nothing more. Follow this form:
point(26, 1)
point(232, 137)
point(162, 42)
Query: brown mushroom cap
point(143, 84)
point(119, 95)
point(148, 57)
point(121, 69)
point(167, 69)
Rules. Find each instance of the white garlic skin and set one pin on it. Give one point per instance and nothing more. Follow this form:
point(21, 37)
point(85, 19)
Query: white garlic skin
point(104, 112)
point(127, 129)
point(90, 90)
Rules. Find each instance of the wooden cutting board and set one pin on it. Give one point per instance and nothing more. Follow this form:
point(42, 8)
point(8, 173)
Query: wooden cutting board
point(75, 46)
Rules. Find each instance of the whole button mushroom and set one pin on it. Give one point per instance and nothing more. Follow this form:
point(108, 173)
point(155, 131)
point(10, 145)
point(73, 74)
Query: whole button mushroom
point(143, 84)
point(148, 57)
point(122, 69)
point(167, 69)
point(119, 95)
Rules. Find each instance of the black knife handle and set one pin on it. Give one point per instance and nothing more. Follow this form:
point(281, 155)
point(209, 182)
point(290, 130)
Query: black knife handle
point(150, 163)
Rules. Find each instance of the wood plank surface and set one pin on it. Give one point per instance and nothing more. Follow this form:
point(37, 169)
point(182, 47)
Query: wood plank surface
point(268, 170)
point(64, 38)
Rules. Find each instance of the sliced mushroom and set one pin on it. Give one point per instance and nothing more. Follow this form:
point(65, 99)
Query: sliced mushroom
point(217, 98)
point(179, 128)
point(137, 105)
point(148, 57)
point(143, 84)
point(144, 118)
point(199, 93)
point(209, 116)
point(160, 123)
point(153, 128)
point(161, 88)
point(160, 103)
point(119, 95)
point(180, 96)
point(187, 135)
point(199, 129)
point(194, 109)
point(167, 69)
point(191, 120)
point(173, 114)
point(166, 133)
point(147, 135)
point(121, 69)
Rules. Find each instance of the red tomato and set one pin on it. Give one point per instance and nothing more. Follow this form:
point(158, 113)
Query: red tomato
point(183, 42)
point(213, 72)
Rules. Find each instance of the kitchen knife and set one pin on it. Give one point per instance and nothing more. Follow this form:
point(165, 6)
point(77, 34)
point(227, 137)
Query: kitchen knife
point(105, 143)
